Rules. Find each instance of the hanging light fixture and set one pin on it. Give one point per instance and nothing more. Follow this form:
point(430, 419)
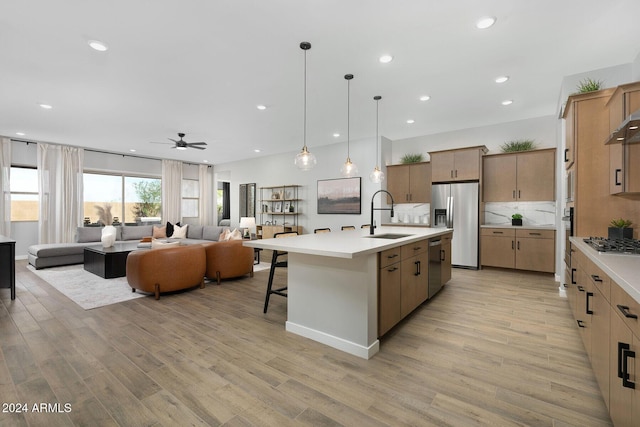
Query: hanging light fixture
point(349, 168)
point(304, 159)
point(376, 176)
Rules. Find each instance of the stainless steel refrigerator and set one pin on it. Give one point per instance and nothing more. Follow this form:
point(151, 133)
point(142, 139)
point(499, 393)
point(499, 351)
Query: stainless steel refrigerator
point(456, 206)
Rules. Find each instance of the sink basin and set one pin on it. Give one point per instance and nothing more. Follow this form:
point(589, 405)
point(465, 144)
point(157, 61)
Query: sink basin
point(388, 236)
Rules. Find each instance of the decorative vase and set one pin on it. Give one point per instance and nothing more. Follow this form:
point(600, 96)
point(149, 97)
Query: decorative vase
point(108, 238)
point(616, 233)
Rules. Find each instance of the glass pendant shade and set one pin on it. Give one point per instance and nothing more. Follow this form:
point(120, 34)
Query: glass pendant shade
point(348, 169)
point(376, 176)
point(305, 160)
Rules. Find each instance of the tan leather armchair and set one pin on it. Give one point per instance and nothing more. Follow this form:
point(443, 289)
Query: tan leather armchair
point(228, 259)
point(166, 269)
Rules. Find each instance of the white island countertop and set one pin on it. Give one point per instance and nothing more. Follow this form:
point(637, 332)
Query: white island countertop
point(348, 243)
point(622, 269)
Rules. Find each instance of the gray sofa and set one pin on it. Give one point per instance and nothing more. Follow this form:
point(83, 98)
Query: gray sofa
point(56, 254)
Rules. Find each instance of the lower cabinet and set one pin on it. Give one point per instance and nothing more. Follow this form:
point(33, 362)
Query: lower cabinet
point(403, 282)
point(608, 320)
point(523, 249)
point(445, 259)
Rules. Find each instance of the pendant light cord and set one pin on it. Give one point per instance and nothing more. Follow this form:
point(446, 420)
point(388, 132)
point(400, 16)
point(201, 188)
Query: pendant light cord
point(304, 137)
point(377, 106)
point(348, 121)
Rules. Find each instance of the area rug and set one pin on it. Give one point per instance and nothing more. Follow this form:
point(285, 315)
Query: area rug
point(261, 266)
point(86, 289)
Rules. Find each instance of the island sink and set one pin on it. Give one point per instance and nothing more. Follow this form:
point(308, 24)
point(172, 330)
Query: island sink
point(388, 236)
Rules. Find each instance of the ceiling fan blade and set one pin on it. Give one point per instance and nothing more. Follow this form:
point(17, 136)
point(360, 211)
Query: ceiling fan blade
point(196, 147)
point(196, 143)
point(164, 143)
point(173, 140)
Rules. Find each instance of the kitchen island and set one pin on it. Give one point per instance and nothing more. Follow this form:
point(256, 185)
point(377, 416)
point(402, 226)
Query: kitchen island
point(333, 283)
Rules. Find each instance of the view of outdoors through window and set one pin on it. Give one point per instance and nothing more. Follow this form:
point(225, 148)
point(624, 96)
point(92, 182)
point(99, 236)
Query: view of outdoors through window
point(132, 199)
point(24, 194)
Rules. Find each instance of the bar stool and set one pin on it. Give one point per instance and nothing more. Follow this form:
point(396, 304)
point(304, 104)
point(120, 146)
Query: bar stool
point(322, 230)
point(347, 227)
point(274, 264)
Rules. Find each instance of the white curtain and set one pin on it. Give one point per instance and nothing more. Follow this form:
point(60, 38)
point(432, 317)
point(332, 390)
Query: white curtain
point(206, 199)
point(61, 192)
point(171, 191)
point(5, 200)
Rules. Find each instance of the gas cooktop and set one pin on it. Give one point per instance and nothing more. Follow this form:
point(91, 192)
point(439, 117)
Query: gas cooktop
point(615, 246)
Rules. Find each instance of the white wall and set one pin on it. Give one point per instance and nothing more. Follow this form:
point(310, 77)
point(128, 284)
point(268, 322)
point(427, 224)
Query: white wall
point(279, 170)
point(541, 129)
point(636, 68)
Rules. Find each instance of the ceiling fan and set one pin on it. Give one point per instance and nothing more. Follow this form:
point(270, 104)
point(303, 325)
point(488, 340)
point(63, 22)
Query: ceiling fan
point(182, 144)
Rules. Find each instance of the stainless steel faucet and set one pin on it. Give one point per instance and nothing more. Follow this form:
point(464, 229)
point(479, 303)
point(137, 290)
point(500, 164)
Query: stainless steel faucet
point(371, 227)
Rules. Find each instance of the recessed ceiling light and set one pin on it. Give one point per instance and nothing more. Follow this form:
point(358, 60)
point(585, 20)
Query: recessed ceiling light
point(485, 22)
point(385, 59)
point(133, 150)
point(336, 135)
point(20, 133)
point(257, 150)
point(507, 102)
point(502, 79)
point(46, 106)
point(98, 45)
point(410, 121)
point(261, 107)
point(425, 98)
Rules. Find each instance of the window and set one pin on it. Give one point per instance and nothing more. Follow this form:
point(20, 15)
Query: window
point(133, 199)
point(24, 194)
point(190, 198)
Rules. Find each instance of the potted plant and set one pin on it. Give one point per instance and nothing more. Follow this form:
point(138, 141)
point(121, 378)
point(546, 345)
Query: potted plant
point(518, 145)
point(620, 229)
point(516, 219)
point(411, 158)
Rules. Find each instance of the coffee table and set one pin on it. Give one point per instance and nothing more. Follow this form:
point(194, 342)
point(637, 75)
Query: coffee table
point(108, 262)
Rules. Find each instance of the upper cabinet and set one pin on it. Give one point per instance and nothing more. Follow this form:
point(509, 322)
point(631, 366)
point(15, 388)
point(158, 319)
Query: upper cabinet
point(410, 183)
point(525, 176)
point(624, 174)
point(463, 164)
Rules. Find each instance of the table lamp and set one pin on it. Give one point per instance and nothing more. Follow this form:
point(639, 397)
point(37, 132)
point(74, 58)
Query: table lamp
point(248, 223)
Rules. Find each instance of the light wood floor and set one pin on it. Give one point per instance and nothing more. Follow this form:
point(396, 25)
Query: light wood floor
point(493, 348)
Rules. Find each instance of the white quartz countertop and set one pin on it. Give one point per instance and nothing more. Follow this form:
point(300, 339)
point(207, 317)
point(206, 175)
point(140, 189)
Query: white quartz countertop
point(348, 243)
point(528, 227)
point(622, 269)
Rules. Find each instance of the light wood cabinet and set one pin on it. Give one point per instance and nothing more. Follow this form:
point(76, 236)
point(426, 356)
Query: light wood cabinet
point(463, 164)
point(624, 352)
point(409, 183)
point(522, 249)
point(527, 176)
point(624, 174)
point(403, 282)
point(445, 272)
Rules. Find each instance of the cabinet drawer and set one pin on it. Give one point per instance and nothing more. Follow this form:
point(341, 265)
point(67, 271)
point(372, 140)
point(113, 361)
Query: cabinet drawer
point(626, 307)
point(598, 278)
point(412, 249)
point(389, 257)
point(499, 232)
point(537, 234)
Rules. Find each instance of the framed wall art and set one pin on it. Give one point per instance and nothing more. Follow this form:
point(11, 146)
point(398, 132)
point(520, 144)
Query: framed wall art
point(339, 196)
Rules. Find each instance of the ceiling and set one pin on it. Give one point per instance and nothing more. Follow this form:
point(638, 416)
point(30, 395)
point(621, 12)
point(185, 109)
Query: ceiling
point(201, 67)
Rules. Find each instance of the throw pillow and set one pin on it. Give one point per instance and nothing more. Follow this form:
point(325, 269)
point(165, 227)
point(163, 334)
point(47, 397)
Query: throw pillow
point(180, 232)
point(235, 235)
point(159, 232)
point(224, 236)
point(169, 229)
point(158, 244)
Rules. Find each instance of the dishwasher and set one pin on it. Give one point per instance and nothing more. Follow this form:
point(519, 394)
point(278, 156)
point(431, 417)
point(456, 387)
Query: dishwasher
point(435, 266)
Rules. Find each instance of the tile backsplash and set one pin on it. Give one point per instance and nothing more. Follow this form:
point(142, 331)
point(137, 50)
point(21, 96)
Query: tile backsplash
point(533, 213)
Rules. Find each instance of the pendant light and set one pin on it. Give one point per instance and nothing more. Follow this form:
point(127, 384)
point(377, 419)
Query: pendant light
point(304, 159)
point(376, 176)
point(349, 168)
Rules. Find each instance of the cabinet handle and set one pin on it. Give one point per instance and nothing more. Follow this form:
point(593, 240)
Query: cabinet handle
point(406, 197)
point(417, 248)
point(625, 312)
point(514, 194)
point(512, 245)
point(417, 273)
point(498, 232)
point(580, 288)
point(531, 233)
point(456, 173)
point(587, 309)
point(391, 270)
point(626, 354)
point(392, 256)
point(621, 347)
point(566, 151)
point(518, 245)
point(442, 255)
point(519, 196)
point(596, 278)
point(617, 177)
point(573, 280)
point(451, 173)
point(580, 325)
point(565, 285)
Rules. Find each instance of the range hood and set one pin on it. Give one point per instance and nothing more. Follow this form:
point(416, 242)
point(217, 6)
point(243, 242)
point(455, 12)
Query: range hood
point(628, 132)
